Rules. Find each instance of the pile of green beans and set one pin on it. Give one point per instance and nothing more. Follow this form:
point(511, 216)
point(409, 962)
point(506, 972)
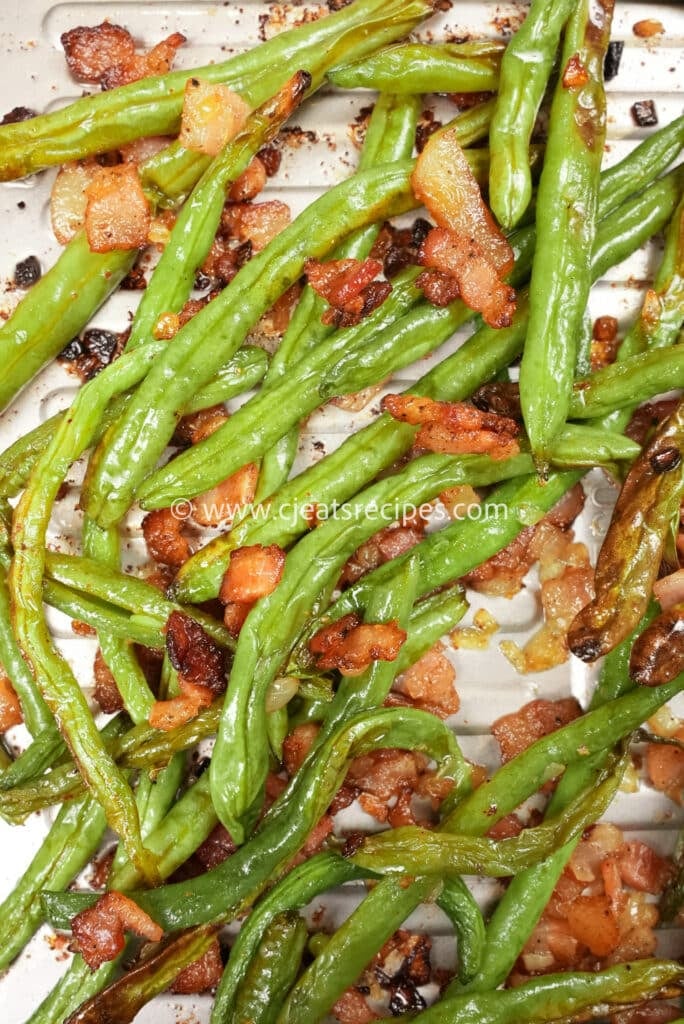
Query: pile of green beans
point(138, 781)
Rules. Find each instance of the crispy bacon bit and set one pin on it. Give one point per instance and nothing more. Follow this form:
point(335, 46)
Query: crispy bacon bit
point(216, 848)
point(665, 768)
point(604, 343)
point(470, 248)
point(385, 773)
point(253, 572)
point(454, 427)
point(202, 424)
point(461, 259)
point(384, 545)
point(503, 574)
point(117, 212)
point(458, 500)
point(99, 930)
point(349, 287)
point(68, 199)
point(591, 922)
point(439, 289)
point(575, 75)
point(105, 55)
point(520, 729)
point(350, 646)
point(297, 745)
point(222, 503)
point(258, 223)
point(10, 708)
point(164, 538)
point(106, 691)
point(352, 1008)
point(212, 115)
point(642, 869)
point(194, 655)
point(429, 683)
point(648, 27)
point(201, 975)
point(249, 184)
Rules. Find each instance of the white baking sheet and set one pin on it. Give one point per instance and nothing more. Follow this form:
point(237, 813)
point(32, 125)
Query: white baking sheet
point(33, 74)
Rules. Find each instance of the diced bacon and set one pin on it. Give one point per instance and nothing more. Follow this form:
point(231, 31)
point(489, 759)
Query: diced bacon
point(195, 656)
point(506, 828)
point(461, 259)
point(234, 616)
point(642, 868)
point(385, 773)
point(341, 281)
point(374, 806)
point(669, 590)
point(352, 1008)
point(105, 54)
point(438, 288)
point(202, 424)
point(10, 707)
point(117, 212)
point(520, 729)
point(202, 974)
point(100, 929)
point(253, 572)
point(297, 745)
point(164, 538)
point(444, 181)
point(166, 715)
point(602, 841)
point(455, 427)
point(604, 343)
point(212, 115)
point(222, 503)
point(388, 543)
point(591, 921)
point(68, 199)
point(665, 768)
point(258, 223)
point(106, 691)
point(140, 150)
point(351, 646)
point(250, 183)
point(216, 848)
point(429, 683)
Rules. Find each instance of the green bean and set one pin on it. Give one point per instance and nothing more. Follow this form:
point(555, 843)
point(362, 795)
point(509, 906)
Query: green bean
point(71, 842)
point(142, 433)
point(240, 758)
point(224, 890)
point(123, 1000)
point(430, 620)
point(622, 385)
point(481, 357)
point(629, 559)
point(352, 947)
point(589, 446)
point(596, 731)
point(198, 220)
point(419, 67)
point(567, 204)
point(390, 136)
point(297, 888)
point(37, 715)
point(55, 309)
point(152, 106)
point(54, 677)
point(272, 971)
point(567, 996)
point(458, 903)
point(244, 371)
point(72, 988)
point(525, 69)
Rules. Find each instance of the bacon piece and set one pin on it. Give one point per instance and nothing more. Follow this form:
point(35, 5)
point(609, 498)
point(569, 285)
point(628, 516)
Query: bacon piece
point(99, 930)
point(68, 199)
point(349, 287)
point(140, 150)
point(591, 921)
point(222, 503)
point(212, 115)
point(642, 868)
point(669, 590)
point(520, 729)
point(216, 848)
point(455, 427)
point(202, 424)
point(647, 27)
point(350, 646)
point(385, 773)
point(10, 707)
point(202, 974)
point(461, 259)
point(164, 538)
point(665, 768)
point(106, 691)
point(297, 745)
point(438, 288)
point(352, 1008)
point(383, 546)
point(258, 223)
point(253, 572)
point(250, 183)
point(604, 343)
point(429, 683)
point(117, 212)
point(194, 655)
point(105, 55)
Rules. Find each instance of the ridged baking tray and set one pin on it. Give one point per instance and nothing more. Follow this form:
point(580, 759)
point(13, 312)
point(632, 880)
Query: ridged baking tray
point(33, 74)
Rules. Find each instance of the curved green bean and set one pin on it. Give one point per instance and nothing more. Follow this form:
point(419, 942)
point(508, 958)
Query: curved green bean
point(421, 67)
